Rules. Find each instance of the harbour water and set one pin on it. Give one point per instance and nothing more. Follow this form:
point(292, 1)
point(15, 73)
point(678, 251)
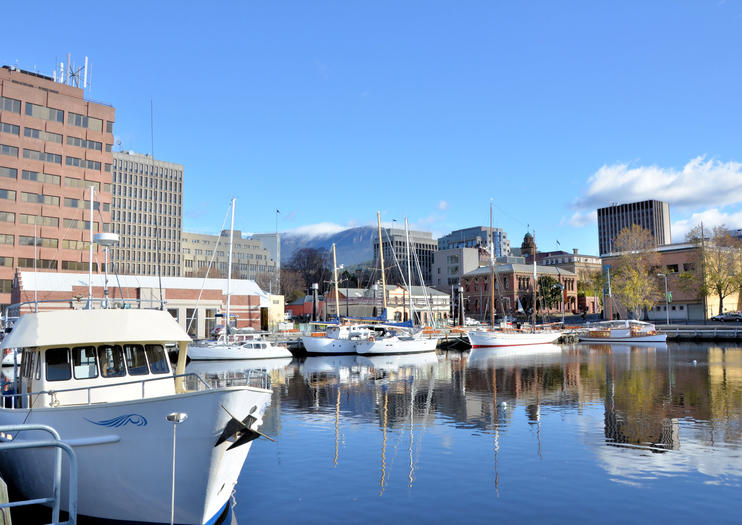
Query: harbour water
point(579, 434)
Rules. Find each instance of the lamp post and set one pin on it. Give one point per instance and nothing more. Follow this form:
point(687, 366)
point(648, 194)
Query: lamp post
point(175, 418)
point(667, 301)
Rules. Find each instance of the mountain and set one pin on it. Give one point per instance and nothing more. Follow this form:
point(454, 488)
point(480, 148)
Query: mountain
point(353, 246)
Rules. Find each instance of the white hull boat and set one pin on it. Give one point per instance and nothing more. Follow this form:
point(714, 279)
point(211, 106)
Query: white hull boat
point(493, 339)
point(396, 344)
point(218, 351)
point(102, 379)
point(337, 339)
point(622, 332)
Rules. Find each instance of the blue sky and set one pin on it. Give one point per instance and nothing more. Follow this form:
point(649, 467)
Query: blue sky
point(330, 111)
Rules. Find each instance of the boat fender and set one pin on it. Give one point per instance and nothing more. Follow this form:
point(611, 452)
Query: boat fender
point(371, 339)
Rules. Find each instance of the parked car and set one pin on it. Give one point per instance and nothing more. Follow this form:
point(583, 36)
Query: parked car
point(728, 317)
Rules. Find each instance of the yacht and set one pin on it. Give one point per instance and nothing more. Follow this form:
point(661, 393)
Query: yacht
point(102, 379)
point(628, 331)
point(512, 337)
point(246, 346)
point(337, 339)
point(392, 340)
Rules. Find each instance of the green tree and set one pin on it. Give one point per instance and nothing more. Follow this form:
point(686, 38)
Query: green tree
point(633, 280)
point(721, 261)
point(549, 290)
point(592, 285)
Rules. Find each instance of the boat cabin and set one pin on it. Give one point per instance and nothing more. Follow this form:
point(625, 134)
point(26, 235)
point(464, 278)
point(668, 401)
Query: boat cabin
point(77, 357)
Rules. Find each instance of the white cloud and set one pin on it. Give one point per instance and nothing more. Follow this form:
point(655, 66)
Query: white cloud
point(709, 218)
point(443, 205)
point(322, 229)
point(580, 219)
point(699, 183)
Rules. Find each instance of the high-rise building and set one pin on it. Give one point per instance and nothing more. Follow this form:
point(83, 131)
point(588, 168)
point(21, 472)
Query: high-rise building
point(54, 146)
point(147, 212)
point(250, 259)
point(476, 237)
point(422, 248)
point(651, 215)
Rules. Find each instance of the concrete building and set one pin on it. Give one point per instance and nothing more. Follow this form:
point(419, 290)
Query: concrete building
point(583, 265)
point(147, 211)
point(422, 248)
point(476, 237)
point(651, 215)
point(54, 145)
point(451, 263)
point(250, 259)
point(517, 282)
point(193, 302)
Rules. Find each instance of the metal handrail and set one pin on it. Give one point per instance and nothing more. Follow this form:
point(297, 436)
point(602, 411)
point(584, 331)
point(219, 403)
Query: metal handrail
point(53, 393)
point(56, 487)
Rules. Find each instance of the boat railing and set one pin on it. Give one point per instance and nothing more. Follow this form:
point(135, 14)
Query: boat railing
point(195, 380)
point(12, 312)
point(55, 499)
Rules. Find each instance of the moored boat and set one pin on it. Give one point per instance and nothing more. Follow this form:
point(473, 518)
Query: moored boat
point(628, 331)
point(102, 379)
point(495, 338)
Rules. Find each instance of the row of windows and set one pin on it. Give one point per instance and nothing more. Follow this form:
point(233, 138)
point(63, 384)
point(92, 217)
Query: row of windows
point(83, 163)
point(51, 200)
point(70, 182)
point(67, 244)
point(112, 361)
point(42, 135)
point(55, 115)
point(48, 136)
point(145, 169)
point(10, 128)
point(82, 143)
point(42, 156)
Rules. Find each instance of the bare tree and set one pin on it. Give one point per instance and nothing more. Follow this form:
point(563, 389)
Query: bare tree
point(721, 261)
point(313, 265)
point(634, 280)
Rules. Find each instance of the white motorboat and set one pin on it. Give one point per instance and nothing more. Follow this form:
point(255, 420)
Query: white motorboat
point(511, 337)
point(337, 339)
point(392, 340)
point(629, 331)
point(250, 346)
point(102, 379)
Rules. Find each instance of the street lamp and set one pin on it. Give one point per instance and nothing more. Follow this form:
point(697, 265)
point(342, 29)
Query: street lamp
point(667, 298)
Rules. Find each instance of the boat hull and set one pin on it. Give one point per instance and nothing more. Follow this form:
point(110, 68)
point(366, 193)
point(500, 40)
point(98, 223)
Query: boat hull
point(656, 338)
point(395, 345)
point(481, 339)
point(125, 453)
point(219, 352)
point(328, 345)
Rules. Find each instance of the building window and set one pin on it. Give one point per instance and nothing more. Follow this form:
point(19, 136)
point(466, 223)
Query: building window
point(42, 156)
point(6, 239)
point(78, 224)
point(6, 216)
point(37, 198)
point(6, 261)
point(41, 221)
point(10, 104)
point(11, 151)
point(28, 262)
point(10, 173)
point(82, 121)
point(72, 182)
point(83, 163)
point(42, 112)
point(10, 128)
point(78, 266)
point(44, 242)
point(42, 135)
point(82, 143)
point(6, 285)
point(75, 245)
point(41, 177)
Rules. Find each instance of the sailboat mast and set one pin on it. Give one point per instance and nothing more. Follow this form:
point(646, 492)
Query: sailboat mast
point(229, 271)
point(381, 256)
point(492, 272)
point(335, 270)
point(533, 327)
point(409, 270)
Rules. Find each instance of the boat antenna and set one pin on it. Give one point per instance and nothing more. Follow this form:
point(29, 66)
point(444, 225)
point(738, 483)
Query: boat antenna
point(229, 272)
point(381, 256)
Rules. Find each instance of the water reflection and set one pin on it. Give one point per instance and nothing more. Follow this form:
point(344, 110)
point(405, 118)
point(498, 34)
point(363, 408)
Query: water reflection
point(636, 413)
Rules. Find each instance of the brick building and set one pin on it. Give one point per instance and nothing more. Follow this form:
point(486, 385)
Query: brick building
point(181, 295)
point(517, 281)
point(54, 145)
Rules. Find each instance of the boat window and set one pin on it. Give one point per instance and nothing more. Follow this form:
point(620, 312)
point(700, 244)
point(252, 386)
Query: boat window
point(83, 362)
point(158, 363)
point(135, 360)
point(111, 359)
point(58, 364)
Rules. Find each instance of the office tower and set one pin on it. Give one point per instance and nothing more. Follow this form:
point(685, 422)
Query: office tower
point(651, 215)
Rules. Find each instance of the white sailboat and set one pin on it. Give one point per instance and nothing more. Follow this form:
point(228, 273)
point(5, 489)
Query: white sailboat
point(492, 337)
point(628, 331)
point(227, 346)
